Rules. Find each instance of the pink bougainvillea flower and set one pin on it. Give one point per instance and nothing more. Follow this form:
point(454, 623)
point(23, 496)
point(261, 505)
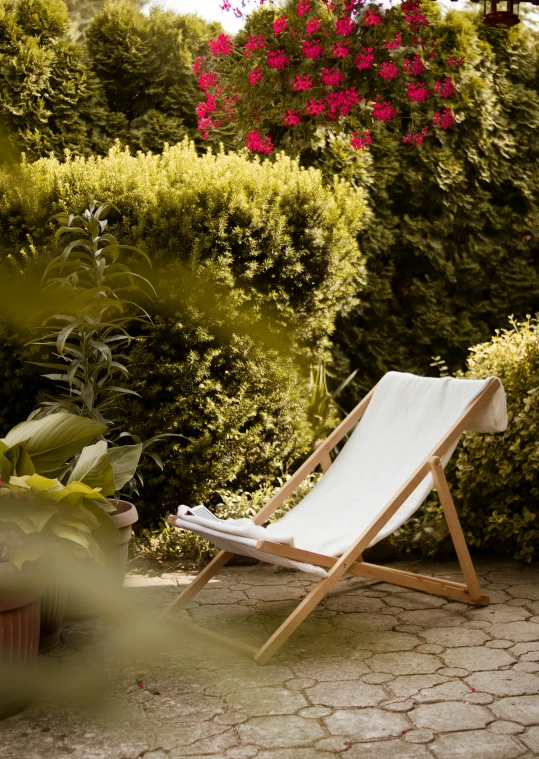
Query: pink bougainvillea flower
point(223, 45)
point(313, 25)
point(445, 89)
point(277, 59)
point(340, 50)
point(394, 43)
point(312, 49)
point(206, 107)
point(291, 118)
point(372, 18)
point(416, 139)
point(365, 59)
point(414, 67)
point(255, 76)
point(332, 77)
point(303, 7)
point(383, 111)
point(207, 80)
point(256, 143)
point(300, 83)
point(360, 142)
point(255, 41)
point(226, 6)
point(204, 125)
point(412, 14)
point(341, 103)
point(197, 63)
point(443, 120)
point(456, 61)
point(388, 70)
point(418, 92)
point(344, 26)
point(280, 24)
point(315, 107)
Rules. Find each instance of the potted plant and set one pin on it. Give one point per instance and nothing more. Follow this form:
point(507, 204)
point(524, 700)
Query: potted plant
point(87, 340)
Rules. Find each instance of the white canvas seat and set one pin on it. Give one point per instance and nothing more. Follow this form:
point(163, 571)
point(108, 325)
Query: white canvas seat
point(405, 432)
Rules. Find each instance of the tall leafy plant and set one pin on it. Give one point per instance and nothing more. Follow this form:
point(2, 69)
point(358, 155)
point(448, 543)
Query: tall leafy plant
point(88, 335)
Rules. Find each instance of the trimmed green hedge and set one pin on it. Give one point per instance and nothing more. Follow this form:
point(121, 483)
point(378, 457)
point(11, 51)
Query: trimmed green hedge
point(252, 262)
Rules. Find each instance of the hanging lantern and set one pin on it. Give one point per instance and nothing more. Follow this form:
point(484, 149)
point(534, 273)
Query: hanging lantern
point(496, 17)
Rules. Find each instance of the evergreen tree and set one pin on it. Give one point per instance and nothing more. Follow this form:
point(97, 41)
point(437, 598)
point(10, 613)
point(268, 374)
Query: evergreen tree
point(81, 13)
point(49, 99)
point(145, 66)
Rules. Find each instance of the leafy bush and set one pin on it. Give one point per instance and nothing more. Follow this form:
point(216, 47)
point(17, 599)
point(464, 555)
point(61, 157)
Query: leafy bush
point(495, 478)
point(253, 263)
point(451, 243)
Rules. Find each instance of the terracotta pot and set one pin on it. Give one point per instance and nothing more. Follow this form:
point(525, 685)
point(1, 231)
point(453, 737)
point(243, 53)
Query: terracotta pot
point(126, 515)
point(53, 606)
point(19, 627)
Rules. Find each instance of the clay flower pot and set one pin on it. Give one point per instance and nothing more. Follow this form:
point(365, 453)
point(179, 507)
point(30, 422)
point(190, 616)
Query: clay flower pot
point(53, 606)
point(125, 516)
point(19, 627)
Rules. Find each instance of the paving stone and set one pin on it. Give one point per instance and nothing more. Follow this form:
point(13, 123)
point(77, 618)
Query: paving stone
point(408, 685)
point(451, 691)
point(429, 648)
point(414, 600)
point(295, 753)
point(272, 593)
point(498, 614)
point(453, 672)
point(478, 698)
point(419, 736)
point(387, 750)
point(497, 596)
point(217, 744)
point(449, 716)
point(353, 603)
point(386, 642)
point(523, 649)
point(397, 706)
point(505, 728)
point(300, 683)
point(241, 752)
point(505, 683)
point(366, 724)
point(376, 678)
point(412, 629)
point(280, 732)
point(230, 718)
point(521, 709)
point(314, 712)
point(262, 702)
point(528, 592)
point(476, 658)
point(452, 637)
point(531, 739)
point(514, 577)
point(331, 668)
point(477, 624)
point(219, 596)
point(478, 744)
point(404, 663)
point(334, 744)
point(368, 622)
point(433, 618)
point(526, 666)
point(498, 644)
point(519, 632)
point(346, 693)
point(456, 606)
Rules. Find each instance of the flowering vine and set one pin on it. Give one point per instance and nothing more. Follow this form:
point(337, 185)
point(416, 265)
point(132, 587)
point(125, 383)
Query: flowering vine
point(320, 64)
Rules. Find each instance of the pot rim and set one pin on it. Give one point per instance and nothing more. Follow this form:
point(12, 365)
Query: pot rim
point(126, 513)
point(17, 588)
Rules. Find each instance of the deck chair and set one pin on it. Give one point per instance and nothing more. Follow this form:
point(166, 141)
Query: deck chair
point(406, 429)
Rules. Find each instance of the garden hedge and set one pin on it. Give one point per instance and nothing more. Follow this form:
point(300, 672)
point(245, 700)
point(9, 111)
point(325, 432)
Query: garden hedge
point(252, 263)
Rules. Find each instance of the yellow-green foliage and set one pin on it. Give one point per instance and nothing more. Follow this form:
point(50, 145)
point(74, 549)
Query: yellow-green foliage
point(252, 263)
point(495, 478)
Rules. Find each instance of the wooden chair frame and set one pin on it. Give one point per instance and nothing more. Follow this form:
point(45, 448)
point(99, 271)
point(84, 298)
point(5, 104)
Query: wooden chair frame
point(351, 561)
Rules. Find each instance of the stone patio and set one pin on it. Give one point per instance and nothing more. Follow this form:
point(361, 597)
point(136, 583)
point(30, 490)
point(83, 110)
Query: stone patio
point(377, 672)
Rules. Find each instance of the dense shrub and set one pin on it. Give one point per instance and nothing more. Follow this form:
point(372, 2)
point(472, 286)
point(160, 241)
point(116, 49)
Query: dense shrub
point(495, 478)
point(447, 248)
point(252, 264)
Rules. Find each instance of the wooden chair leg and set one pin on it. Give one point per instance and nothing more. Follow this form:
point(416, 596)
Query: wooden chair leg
point(198, 583)
point(455, 529)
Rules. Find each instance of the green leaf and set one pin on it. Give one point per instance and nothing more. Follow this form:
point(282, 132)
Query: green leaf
point(55, 438)
point(124, 461)
point(94, 469)
point(71, 534)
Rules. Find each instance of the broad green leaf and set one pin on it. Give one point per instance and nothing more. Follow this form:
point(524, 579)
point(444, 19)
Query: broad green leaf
point(6, 467)
point(55, 438)
point(31, 550)
point(124, 461)
point(25, 524)
point(94, 469)
point(71, 534)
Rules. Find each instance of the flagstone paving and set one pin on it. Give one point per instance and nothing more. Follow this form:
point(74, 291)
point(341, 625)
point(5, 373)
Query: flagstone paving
point(377, 672)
